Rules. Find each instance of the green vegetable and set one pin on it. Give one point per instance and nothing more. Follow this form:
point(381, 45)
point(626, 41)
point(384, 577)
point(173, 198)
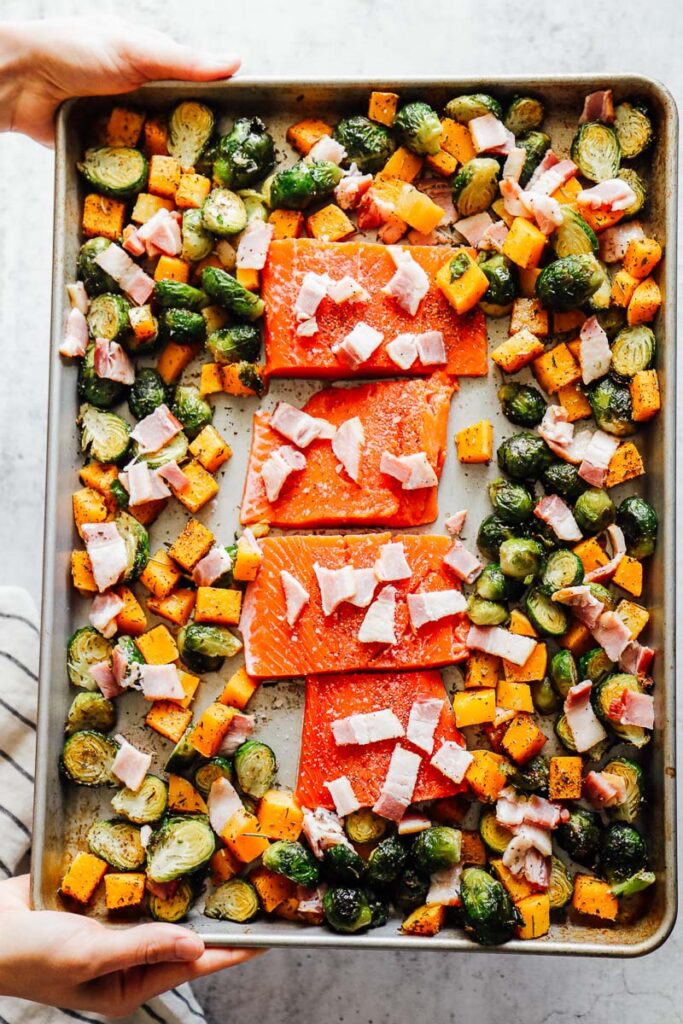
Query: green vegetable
point(492, 532)
point(207, 773)
point(249, 375)
point(86, 648)
point(364, 826)
point(145, 805)
point(293, 861)
point(502, 289)
point(148, 392)
point(87, 758)
point(563, 672)
point(494, 835)
point(255, 767)
point(368, 145)
point(183, 754)
point(636, 883)
point(548, 617)
point(419, 128)
point(580, 836)
point(245, 154)
point(118, 843)
point(569, 282)
point(521, 558)
point(171, 909)
point(524, 456)
point(594, 510)
point(190, 127)
point(233, 344)
point(494, 585)
point(561, 888)
point(564, 733)
point(191, 409)
point(573, 236)
point(295, 188)
point(489, 914)
point(604, 595)
point(596, 151)
point(228, 292)
point(90, 710)
point(182, 326)
point(623, 852)
point(562, 569)
point(197, 241)
point(174, 451)
point(343, 865)
point(602, 296)
point(104, 435)
point(536, 145)
point(116, 171)
point(546, 701)
point(97, 391)
point(640, 524)
point(465, 108)
point(633, 349)
point(380, 907)
point(184, 844)
point(532, 777)
point(176, 295)
point(634, 180)
point(255, 204)
point(347, 910)
point(611, 405)
point(522, 404)
point(95, 279)
point(611, 320)
point(235, 900)
point(224, 213)
point(459, 266)
point(410, 890)
point(475, 185)
point(386, 861)
point(203, 647)
point(608, 691)
point(437, 848)
point(563, 478)
point(634, 130)
point(634, 778)
point(512, 502)
point(524, 114)
point(131, 653)
point(108, 317)
point(595, 665)
point(486, 613)
point(136, 539)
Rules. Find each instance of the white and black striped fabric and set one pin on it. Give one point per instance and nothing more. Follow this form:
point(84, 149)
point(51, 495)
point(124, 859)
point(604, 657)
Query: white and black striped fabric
point(18, 707)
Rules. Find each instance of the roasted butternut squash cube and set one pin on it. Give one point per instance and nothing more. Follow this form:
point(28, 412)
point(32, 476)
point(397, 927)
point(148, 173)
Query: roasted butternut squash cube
point(158, 646)
point(209, 730)
point(441, 163)
point(427, 920)
point(514, 696)
point(629, 576)
point(82, 877)
point(155, 135)
point(146, 205)
point(524, 244)
point(211, 380)
point(169, 719)
point(527, 278)
point(286, 223)
point(183, 798)
point(457, 140)
point(472, 850)
point(568, 192)
point(143, 323)
point(382, 107)
point(201, 488)
point(518, 351)
point(564, 778)
point(103, 216)
point(280, 815)
point(330, 224)
point(568, 321)
point(210, 449)
point(131, 619)
point(523, 739)
point(402, 164)
point(625, 464)
point(592, 554)
point(239, 689)
point(474, 707)
point(191, 545)
point(574, 402)
point(147, 511)
point(520, 624)
point(98, 475)
point(535, 911)
point(170, 268)
point(161, 574)
point(645, 302)
point(218, 605)
point(419, 211)
point(485, 775)
point(529, 315)
point(304, 134)
point(81, 573)
point(463, 292)
point(475, 443)
point(123, 127)
point(176, 607)
point(577, 639)
point(634, 617)
point(482, 670)
point(189, 684)
point(164, 176)
point(249, 278)
point(192, 191)
point(533, 669)
point(243, 836)
point(556, 368)
point(223, 866)
point(174, 359)
point(89, 506)
point(645, 398)
point(233, 384)
point(124, 889)
point(517, 886)
point(594, 897)
point(600, 220)
point(272, 889)
point(623, 287)
point(642, 256)
point(247, 561)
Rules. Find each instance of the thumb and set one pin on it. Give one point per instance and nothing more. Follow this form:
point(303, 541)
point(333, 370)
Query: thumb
point(142, 945)
point(169, 59)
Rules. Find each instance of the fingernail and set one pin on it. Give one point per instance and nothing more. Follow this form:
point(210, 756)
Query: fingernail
point(189, 947)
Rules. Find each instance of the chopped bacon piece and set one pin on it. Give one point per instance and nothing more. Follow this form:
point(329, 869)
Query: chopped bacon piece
point(327, 149)
point(130, 764)
point(173, 474)
point(598, 106)
point(156, 430)
point(163, 232)
point(634, 708)
point(494, 237)
point(75, 340)
point(597, 457)
point(399, 784)
point(606, 572)
point(111, 362)
point(296, 596)
point(104, 677)
point(366, 584)
point(546, 211)
point(615, 241)
point(336, 586)
point(127, 274)
point(298, 427)
point(473, 228)
point(107, 553)
point(212, 566)
point(413, 471)
point(403, 350)
point(412, 823)
point(323, 829)
point(392, 563)
point(583, 603)
point(603, 789)
point(514, 165)
point(278, 467)
point(452, 760)
point(559, 517)
point(161, 682)
point(462, 562)
point(549, 160)
point(434, 605)
point(553, 177)
point(636, 659)
point(585, 727)
point(252, 251)
point(78, 297)
point(239, 730)
point(379, 624)
point(352, 188)
point(489, 135)
point(444, 889)
point(612, 634)
point(455, 523)
point(359, 344)
point(311, 293)
point(612, 195)
point(501, 642)
point(347, 445)
point(410, 283)
point(422, 722)
point(347, 289)
point(223, 802)
point(345, 800)
point(595, 355)
point(431, 348)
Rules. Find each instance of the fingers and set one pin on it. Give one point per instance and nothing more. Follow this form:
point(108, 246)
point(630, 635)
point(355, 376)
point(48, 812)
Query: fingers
point(143, 945)
point(162, 57)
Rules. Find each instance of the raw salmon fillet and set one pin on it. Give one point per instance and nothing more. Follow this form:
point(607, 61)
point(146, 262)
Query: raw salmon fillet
point(400, 417)
point(289, 355)
point(336, 696)
point(318, 643)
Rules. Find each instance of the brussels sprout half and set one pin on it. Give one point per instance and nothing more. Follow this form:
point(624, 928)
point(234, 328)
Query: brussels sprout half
point(608, 692)
point(234, 344)
point(634, 129)
point(437, 848)
point(182, 326)
point(492, 532)
point(197, 240)
point(347, 910)
point(595, 665)
point(235, 900)
point(191, 409)
point(97, 391)
point(386, 861)
point(410, 890)
point(293, 861)
point(512, 502)
point(493, 585)
point(573, 236)
point(95, 280)
point(364, 826)
point(108, 317)
point(563, 478)
point(171, 908)
point(118, 843)
point(245, 155)
point(640, 524)
point(148, 392)
point(536, 145)
point(569, 281)
point(144, 805)
point(368, 145)
point(177, 295)
point(104, 435)
point(475, 186)
point(545, 698)
point(563, 672)
point(465, 108)
point(87, 758)
point(548, 617)
point(204, 647)
point(521, 558)
point(228, 292)
point(524, 114)
point(116, 171)
point(634, 778)
point(489, 915)
point(295, 188)
point(596, 151)
point(224, 213)
point(90, 710)
point(486, 613)
point(532, 777)
point(174, 451)
point(184, 844)
point(136, 539)
point(563, 568)
point(206, 774)
point(580, 836)
point(494, 835)
point(502, 289)
point(86, 648)
point(612, 407)
point(561, 888)
point(190, 127)
point(522, 404)
point(419, 128)
point(623, 852)
point(636, 183)
point(255, 767)
point(633, 350)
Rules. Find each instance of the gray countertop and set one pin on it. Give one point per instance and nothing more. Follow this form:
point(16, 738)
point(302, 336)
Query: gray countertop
point(362, 38)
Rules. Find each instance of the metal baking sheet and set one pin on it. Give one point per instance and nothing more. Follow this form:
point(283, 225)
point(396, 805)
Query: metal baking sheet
point(63, 813)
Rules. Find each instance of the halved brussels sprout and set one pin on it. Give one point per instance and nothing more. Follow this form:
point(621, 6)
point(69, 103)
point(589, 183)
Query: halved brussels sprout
point(521, 558)
point(437, 848)
point(86, 648)
point(594, 510)
point(255, 767)
point(634, 180)
point(190, 127)
point(250, 377)
point(524, 456)
point(148, 392)
point(536, 145)
point(574, 235)
point(635, 883)
point(97, 391)
point(569, 281)
point(295, 188)
point(255, 204)
point(118, 843)
point(418, 128)
point(228, 292)
point(608, 692)
point(364, 826)
point(502, 289)
point(492, 532)
point(171, 908)
point(347, 910)
point(184, 844)
point(177, 295)
point(478, 104)
point(623, 852)
point(136, 539)
point(633, 350)
point(634, 129)
point(548, 617)
point(104, 435)
point(343, 865)
point(233, 344)
point(87, 758)
point(235, 900)
point(386, 861)
point(486, 613)
point(532, 776)
point(183, 754)
point(634, 778)
point(596, 151)
point(495, 835)
point(580, 836)
point(564, 733)
point(640, 524)
point(410, 891)
point(206, 774)
point(524, 114)
point(203, 647)
point(563, 478)
point(90, 710)
point(368, 145)
point(197, 240)
point(562, 569)
point(489, 915)
point(612, 407)
point(611, 320)
point(522, 404)
point(224, 213)
point(131, 655)
point(564, 672)
point(595, 665)
point(190, 408)
point(245, 154)
point(174, 451)
point(108, 317)
point(512, 502)
point(95, 279)
point(545, 698)
point(602, 296)
point(494, 585)
point(182, 326)
point(603, 595)
point(475, 186)
point(561, 888)
point(293, 861)
point(145, 805)
point(116, 171)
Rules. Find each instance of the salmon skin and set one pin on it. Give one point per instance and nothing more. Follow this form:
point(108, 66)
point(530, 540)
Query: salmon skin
point(320, 643)
point(332, 697)
point(369, 263)
point(400, 417)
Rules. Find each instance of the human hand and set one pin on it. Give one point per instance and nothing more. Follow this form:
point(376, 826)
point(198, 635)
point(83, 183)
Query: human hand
point(45, 62)
point(77, 963)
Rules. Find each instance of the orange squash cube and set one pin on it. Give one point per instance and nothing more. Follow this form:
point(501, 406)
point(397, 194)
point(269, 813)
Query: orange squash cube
point(170, 268)
point(330, 224)
point(535, 911)
point(218, 605)
point(192, 544)
point(158, 646)
point(124, 889)
point(304, 134)
point(475, 443)
point(146, 205)
point(192, 191)
point(286, 223)
point(524, 244)
point(103, 216)
point(574, 402)
point(211, 727)
point(176, 607)
point(564, 778)
point(243, 836)
point(132, 619)
point(523, 739)
point(175, 358)
point(82, 878)
point(529, 315)
point(161, 574)
point(629, 576)
point(402, 164)
point(482, 670)
point(169, 719)
point(183, 797)
point(81, 573)
point(164, 176)
point(239, 689)
point(556, 368)
point(210, 450)
point(594, 897)
point(485, 775)
point(514, 696)
point(201, 489)
point(280, 815)
point(382, 107)
point(474, 707)
point(457, 140)
point(642, 256)
point(645, 397)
